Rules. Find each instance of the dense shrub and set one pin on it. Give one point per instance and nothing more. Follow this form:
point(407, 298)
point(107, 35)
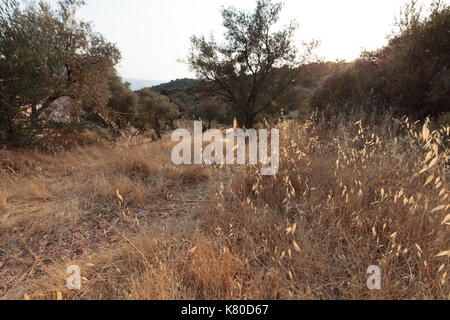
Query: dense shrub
point(411, 75)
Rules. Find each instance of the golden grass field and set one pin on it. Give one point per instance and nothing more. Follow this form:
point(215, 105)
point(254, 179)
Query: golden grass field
point(348, 195)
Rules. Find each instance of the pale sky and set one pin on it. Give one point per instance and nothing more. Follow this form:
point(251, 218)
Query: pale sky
point(154, 34)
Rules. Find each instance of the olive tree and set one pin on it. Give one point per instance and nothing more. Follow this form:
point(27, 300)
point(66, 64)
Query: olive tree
point(255, 65)
point(46, 53)
point(155, 111)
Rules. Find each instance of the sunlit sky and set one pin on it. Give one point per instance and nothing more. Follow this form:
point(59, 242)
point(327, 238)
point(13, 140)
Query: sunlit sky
point(153, 35)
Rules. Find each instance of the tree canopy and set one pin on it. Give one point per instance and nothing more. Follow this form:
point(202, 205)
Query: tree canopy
point(411, 75)
point(45, 53)
point(257, 63)
point(155, 111)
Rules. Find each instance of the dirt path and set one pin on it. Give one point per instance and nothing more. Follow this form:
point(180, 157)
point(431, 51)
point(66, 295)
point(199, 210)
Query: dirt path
point(98, 232)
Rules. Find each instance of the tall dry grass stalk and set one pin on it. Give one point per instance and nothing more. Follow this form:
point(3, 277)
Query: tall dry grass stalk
point(349, 194)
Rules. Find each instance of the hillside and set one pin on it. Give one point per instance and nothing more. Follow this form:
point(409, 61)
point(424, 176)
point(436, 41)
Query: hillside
point(137, 84)
point(174, 84)
point(141, 228)
point(276, 174)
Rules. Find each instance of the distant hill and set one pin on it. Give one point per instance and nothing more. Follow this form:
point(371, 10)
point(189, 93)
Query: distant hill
point(174, 84)
point(137, 84)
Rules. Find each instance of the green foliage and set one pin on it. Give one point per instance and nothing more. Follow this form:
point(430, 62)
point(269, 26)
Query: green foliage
point(186, 99)
point(256, 64)
point(122, 106)
point(46, 54)
point(344, 90)
point(174, 84)
point(208, 112)
point(411, 75)
point(155, 111)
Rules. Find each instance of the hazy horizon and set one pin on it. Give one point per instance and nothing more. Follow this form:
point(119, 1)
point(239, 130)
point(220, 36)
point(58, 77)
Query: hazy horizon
point(154, 35)
point(136, 84)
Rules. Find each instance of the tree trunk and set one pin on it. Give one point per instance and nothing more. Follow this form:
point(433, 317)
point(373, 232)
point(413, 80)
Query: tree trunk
point(171, 125)
point(157, 127)
point(249, 121)
point(34, 116)
point(11, 135)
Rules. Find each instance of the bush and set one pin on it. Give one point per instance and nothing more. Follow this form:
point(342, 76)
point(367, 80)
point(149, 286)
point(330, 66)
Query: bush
point(409, 76)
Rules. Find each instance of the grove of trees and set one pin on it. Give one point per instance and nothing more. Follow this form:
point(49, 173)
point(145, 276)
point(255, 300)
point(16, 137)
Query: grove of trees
point(410, 76)
point(258, 72)
point(257, 64)
point(46, 54)
point(155, 111)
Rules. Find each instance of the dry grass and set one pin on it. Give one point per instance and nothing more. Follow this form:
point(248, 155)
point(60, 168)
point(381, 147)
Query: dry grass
point(347, 196)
